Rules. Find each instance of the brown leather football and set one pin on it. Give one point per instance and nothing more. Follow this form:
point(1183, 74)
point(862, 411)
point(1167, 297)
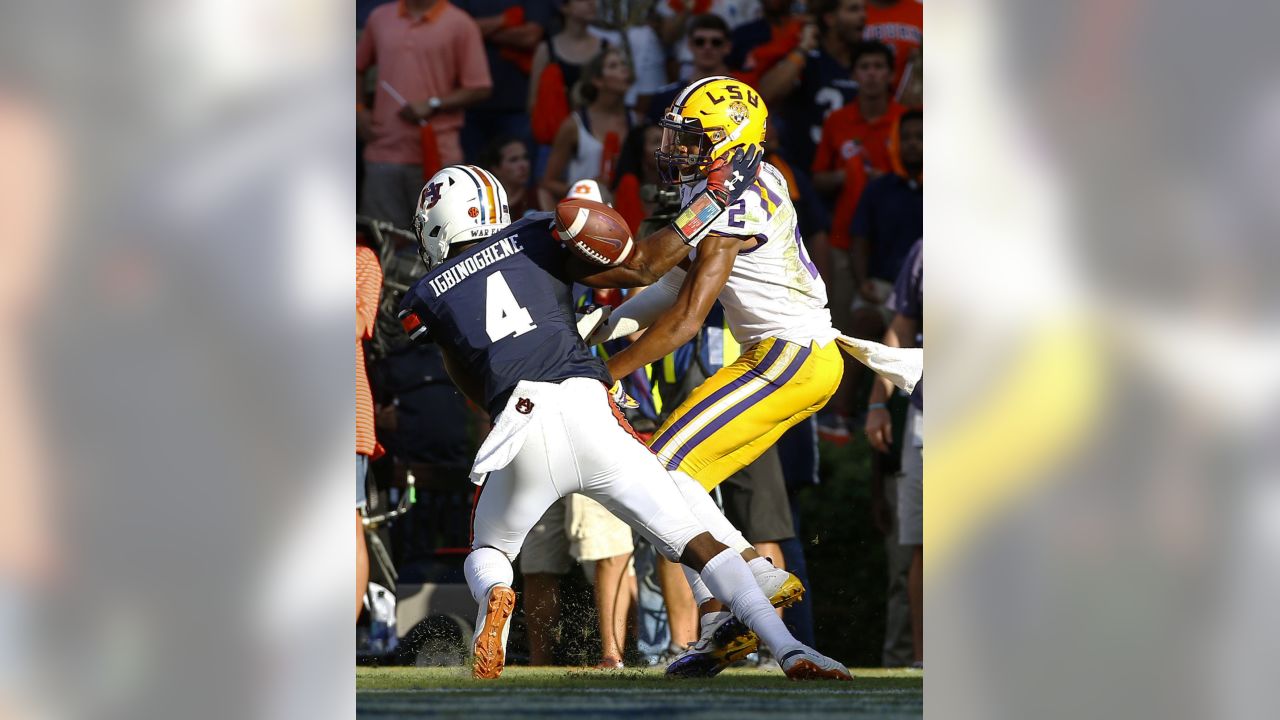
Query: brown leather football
point(594, 231)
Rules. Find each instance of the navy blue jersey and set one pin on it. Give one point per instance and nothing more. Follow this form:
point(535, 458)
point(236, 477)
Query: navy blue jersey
point(503, 312)
point(825, 85)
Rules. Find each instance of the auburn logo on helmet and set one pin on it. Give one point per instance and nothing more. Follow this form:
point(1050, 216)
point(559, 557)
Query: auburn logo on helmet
point(431, 195)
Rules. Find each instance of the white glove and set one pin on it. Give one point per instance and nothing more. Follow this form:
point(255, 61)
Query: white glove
point(641, 309)
point(591, 320)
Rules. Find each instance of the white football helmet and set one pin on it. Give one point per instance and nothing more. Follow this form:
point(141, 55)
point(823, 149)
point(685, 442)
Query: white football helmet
point(459, 204)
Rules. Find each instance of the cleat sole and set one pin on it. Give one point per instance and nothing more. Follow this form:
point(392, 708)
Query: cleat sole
point(490, 653)
point(806, 670)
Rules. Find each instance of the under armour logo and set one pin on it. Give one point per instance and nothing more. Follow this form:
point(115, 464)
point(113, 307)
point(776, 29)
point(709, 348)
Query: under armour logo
point(524, 406)
point(732, 182)
point(431, 195)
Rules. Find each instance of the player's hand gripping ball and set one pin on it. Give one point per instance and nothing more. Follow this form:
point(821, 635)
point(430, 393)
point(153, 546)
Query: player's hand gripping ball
point(594, 231)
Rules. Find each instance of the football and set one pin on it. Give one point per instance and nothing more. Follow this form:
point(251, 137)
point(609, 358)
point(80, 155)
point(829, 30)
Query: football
point(594, 231)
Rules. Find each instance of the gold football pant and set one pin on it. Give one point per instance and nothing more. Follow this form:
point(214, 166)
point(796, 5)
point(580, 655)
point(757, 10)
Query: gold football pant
point(742, 410)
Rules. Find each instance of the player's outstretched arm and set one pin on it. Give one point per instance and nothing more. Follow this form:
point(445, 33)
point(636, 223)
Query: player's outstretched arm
point(727, 179)
point(653, 256)
point(680, 322)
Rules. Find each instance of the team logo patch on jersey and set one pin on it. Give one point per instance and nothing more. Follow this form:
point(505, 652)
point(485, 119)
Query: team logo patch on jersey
point(524, 406)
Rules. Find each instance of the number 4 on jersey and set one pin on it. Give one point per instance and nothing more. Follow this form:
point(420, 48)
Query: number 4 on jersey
point(503, 316)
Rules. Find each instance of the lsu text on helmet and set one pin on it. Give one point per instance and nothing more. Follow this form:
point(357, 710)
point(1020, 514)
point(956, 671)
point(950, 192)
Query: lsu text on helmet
point(707, 120)
point(459, 204)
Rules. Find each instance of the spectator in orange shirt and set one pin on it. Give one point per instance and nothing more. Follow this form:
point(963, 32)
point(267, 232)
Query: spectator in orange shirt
point(857, 134)
point(430, 54)
point(900, 25)
point(368, 288)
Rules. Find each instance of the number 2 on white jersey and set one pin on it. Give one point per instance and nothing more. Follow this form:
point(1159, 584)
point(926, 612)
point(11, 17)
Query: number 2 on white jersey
point(503, 316)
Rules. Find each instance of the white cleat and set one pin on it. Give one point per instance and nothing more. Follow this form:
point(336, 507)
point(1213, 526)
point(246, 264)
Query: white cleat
point(808, 664)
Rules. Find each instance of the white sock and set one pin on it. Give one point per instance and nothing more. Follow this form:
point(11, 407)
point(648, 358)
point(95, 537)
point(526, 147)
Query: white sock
point(700, 592)
point(729, 578)
point(761, 568)
point(708, 515)
point(484, 568)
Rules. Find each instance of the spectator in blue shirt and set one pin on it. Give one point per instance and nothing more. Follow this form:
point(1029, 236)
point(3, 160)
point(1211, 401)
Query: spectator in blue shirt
point(889, 219)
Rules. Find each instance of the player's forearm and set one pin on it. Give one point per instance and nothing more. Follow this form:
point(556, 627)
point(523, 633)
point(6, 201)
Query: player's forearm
point(668, 333)
point(652, 258)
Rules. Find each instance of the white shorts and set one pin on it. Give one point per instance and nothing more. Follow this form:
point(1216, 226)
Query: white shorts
point(576, 440)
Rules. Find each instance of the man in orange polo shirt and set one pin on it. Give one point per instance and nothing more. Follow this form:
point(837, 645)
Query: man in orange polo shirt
point(432, 57)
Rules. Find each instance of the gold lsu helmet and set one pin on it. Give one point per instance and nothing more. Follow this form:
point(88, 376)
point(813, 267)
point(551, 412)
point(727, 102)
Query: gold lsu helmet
point(707, 120)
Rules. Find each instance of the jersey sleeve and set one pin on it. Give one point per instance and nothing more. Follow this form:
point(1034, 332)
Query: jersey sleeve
point(749, 216)
point(413, 317)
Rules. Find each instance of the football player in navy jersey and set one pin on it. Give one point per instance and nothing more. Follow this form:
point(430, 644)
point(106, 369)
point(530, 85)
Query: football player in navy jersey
point(497, 300)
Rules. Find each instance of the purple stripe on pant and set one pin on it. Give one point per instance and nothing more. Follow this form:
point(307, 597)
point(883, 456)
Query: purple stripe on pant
point(715, 397)
point(733, 412)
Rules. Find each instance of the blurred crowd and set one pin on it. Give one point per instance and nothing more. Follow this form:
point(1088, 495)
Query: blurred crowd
point(560, 98)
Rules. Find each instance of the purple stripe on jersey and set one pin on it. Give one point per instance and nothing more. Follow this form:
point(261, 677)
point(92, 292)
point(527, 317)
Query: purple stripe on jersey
point(733, 412)
point(715, 397)
point(777, 201)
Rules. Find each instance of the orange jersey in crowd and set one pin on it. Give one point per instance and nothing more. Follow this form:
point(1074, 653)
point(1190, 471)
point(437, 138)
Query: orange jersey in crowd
point(856, 144)
point(900, 26)
point(368, 288)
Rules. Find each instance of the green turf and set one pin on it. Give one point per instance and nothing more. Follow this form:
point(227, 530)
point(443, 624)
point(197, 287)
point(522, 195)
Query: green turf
point(400, 692)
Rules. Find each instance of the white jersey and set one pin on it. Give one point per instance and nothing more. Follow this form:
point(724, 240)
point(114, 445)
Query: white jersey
point(774, 290)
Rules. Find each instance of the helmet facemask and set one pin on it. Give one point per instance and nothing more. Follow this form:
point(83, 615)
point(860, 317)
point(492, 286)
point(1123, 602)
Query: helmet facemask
point(685, 151)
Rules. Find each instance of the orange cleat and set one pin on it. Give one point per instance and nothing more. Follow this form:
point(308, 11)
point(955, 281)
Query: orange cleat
point(492, 627)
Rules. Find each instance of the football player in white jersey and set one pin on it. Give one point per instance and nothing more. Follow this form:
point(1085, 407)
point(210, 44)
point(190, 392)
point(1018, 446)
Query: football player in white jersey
point(750, 256)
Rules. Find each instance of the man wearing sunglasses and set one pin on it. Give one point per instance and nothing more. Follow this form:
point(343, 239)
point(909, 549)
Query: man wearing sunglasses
point(708, 41)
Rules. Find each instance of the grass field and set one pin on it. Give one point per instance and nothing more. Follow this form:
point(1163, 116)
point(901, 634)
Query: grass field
point(408, 692)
